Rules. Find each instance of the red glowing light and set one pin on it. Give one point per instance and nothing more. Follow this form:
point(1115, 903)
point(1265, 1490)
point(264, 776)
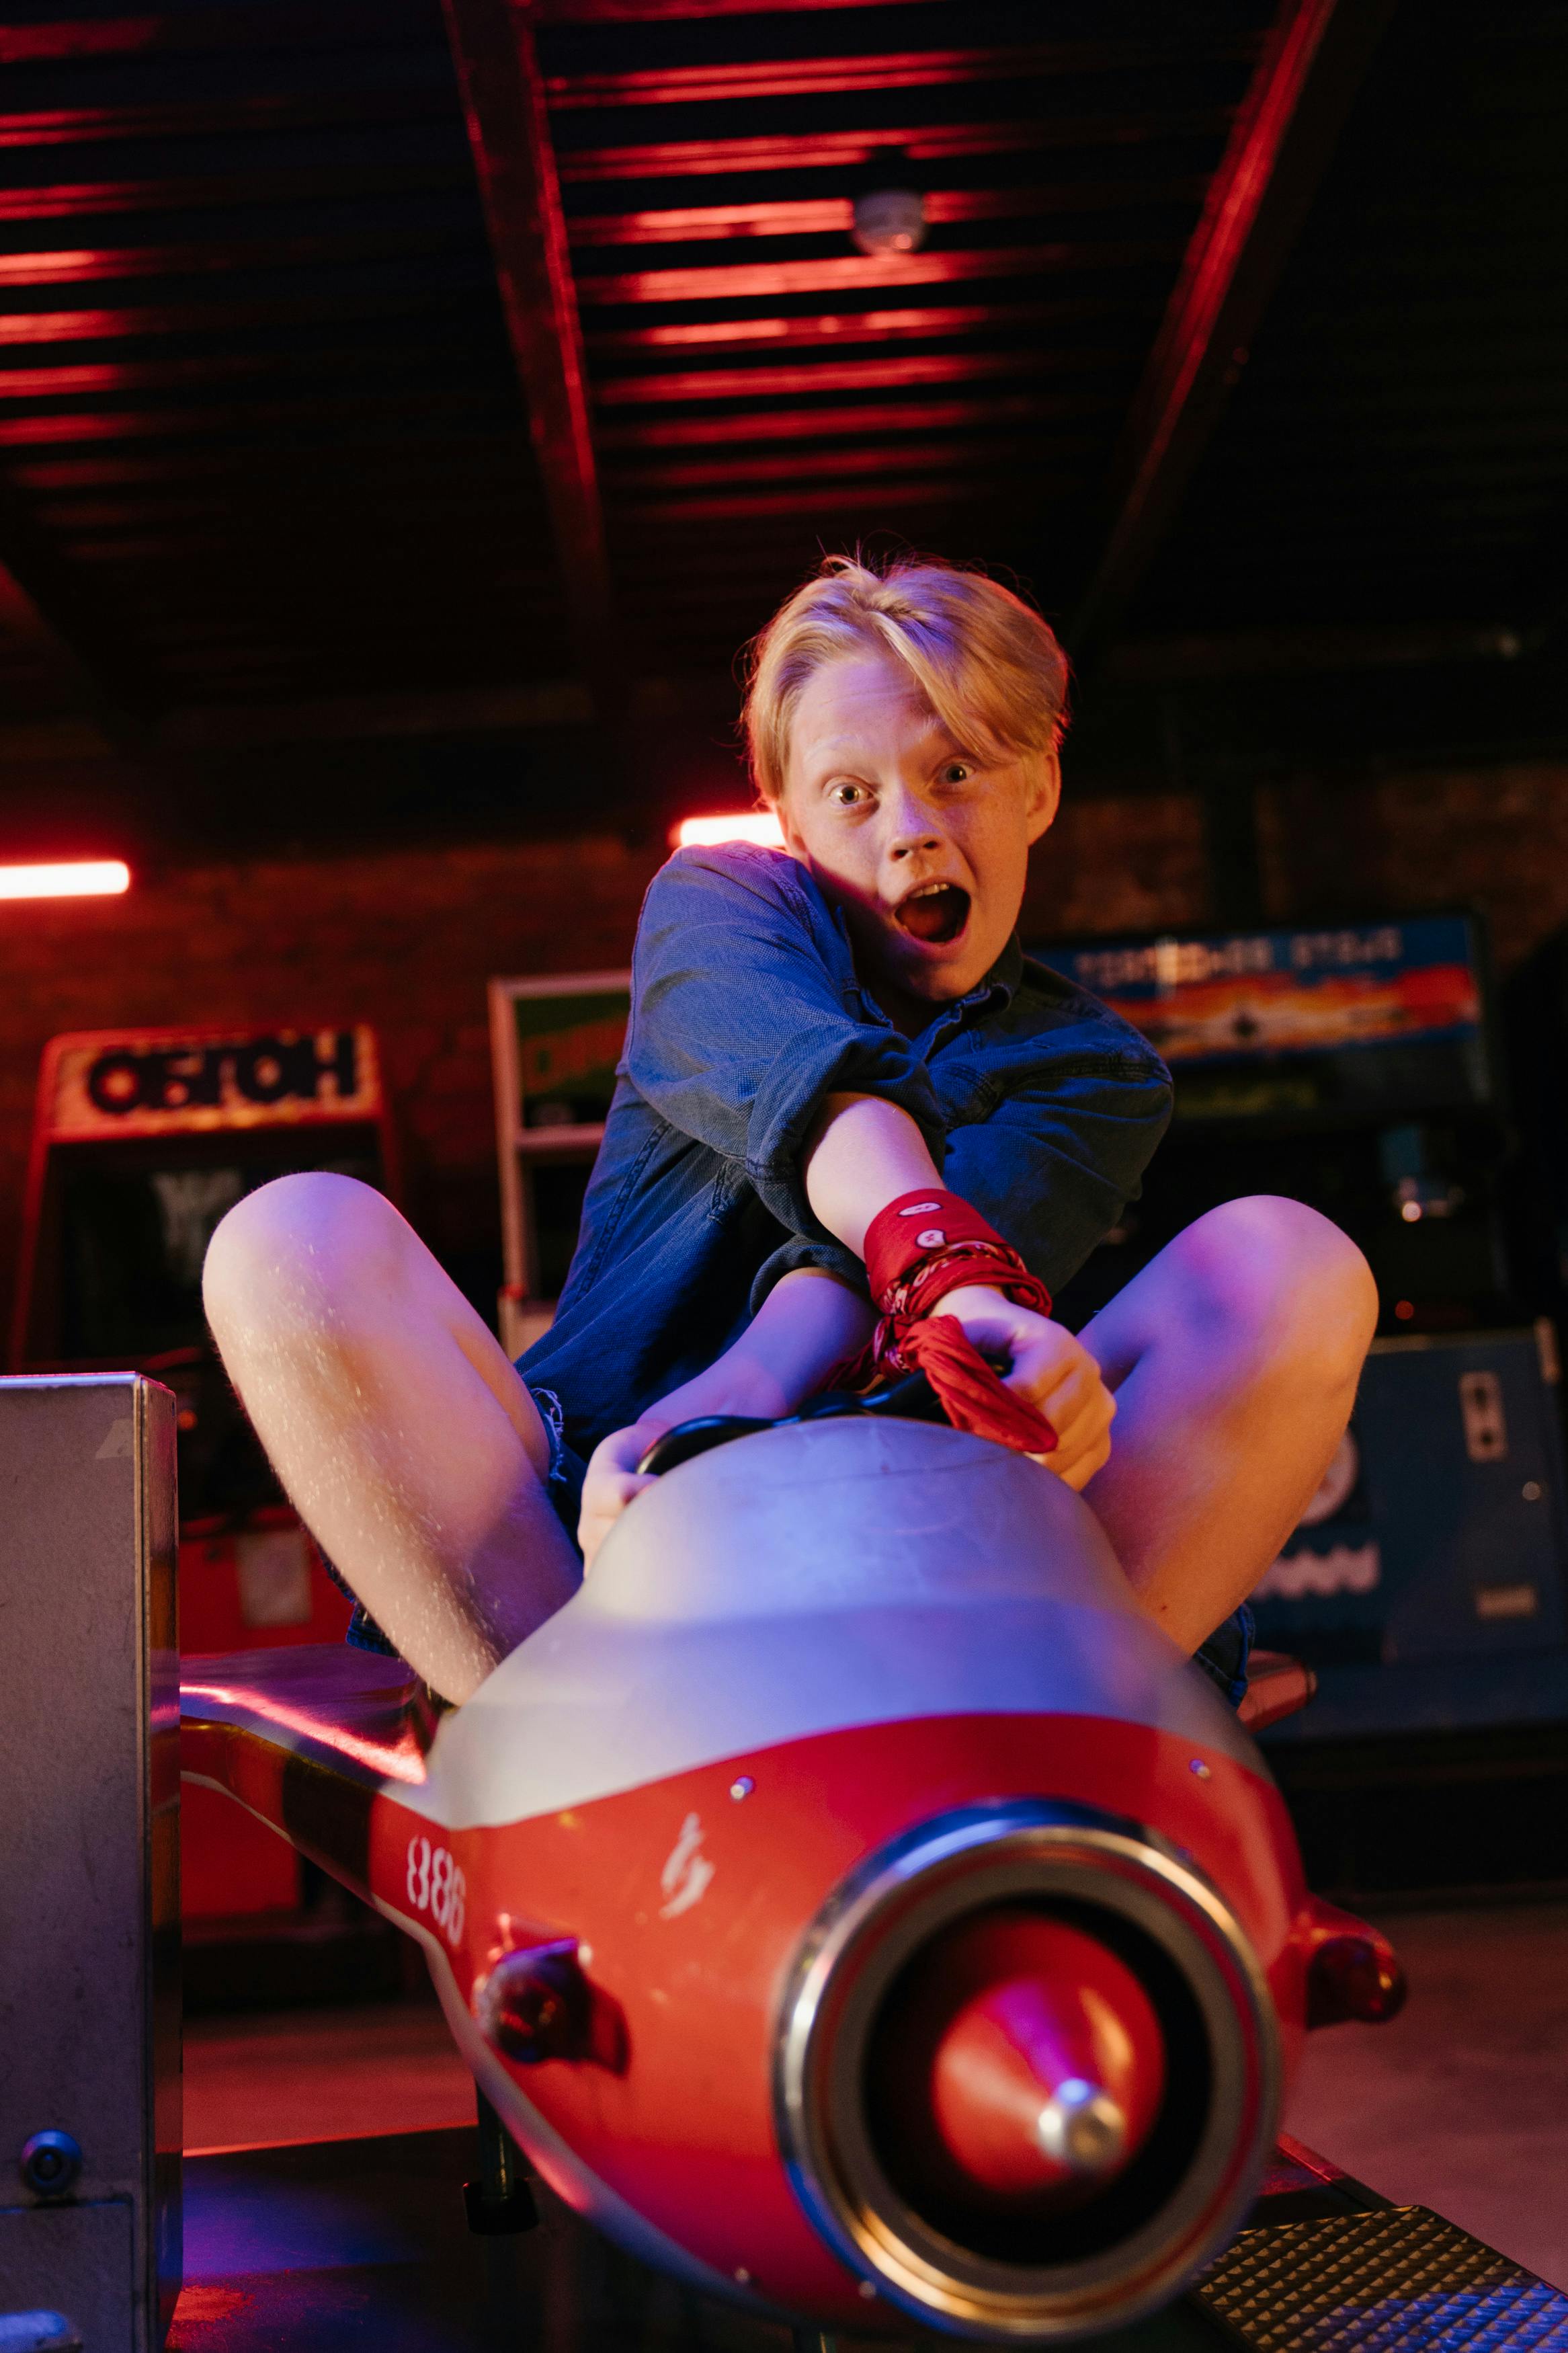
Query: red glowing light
point(81, 878)
point(760, 825)
point(1404, 1310)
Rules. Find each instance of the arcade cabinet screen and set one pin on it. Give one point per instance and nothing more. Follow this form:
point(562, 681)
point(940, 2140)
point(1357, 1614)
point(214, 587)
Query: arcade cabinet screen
point(1371, 1019)
point(135, 1222)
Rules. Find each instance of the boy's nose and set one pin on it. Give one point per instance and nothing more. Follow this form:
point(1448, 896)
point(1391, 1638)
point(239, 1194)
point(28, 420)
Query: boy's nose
point(913, 827)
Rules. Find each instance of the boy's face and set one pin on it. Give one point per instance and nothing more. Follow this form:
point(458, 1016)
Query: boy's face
point(922, 841)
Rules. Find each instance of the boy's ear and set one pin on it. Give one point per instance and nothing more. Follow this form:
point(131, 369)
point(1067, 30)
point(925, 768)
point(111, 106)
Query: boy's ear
point(1045, 792)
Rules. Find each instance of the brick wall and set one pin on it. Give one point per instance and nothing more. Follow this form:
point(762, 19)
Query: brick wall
point(1493, 838)
point(406, 939)
point(1118, 865)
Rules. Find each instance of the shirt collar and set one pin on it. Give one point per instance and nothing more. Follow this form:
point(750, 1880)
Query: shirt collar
point(998, 989)
point(1008, 972)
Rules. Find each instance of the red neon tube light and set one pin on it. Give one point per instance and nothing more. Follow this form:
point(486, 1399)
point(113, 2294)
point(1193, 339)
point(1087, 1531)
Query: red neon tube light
point(77, 877)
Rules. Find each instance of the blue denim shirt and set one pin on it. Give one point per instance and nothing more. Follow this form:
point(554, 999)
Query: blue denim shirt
point(1039, 1104)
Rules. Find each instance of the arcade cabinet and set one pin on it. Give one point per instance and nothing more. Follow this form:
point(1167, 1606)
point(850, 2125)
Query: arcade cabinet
point(554, 1045)
point(1535, 1033)
point(1358, 1068)
point(142, 1140)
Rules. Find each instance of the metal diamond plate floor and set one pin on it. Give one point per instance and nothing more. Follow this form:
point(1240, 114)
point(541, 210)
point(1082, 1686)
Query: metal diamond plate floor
point(1397, 2281)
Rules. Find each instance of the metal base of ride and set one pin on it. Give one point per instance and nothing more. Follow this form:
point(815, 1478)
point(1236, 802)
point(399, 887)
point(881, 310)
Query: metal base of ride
point(350, 2244)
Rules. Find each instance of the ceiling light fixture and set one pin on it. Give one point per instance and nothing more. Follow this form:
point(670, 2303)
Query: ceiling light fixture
point(79, 878)
point(889, 220)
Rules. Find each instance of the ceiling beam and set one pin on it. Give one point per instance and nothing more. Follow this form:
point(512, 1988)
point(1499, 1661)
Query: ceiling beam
point(1307, 77)
point(81, 663)
point(509, 132)
point(894, 371)
point(1309, 649)
point(727, 82)
point(357, 718)
point(72, 38)
point(24, 627)
point(846, 328)
point(418, 97)
point(806, 150)
point(835, 216)
point(864, 420)
point(849, 273)
point(652, 12)
point(210, 192)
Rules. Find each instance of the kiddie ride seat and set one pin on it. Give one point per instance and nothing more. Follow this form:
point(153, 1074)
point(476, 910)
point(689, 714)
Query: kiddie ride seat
point(849, 1901)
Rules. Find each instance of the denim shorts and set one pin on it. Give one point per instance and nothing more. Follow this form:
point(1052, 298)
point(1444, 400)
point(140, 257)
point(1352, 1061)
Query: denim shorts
point(562, 1484)
point(1223, 1658)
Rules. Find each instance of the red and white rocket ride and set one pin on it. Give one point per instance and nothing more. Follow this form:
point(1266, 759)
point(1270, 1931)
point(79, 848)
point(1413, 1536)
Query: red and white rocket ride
point(849, 1901)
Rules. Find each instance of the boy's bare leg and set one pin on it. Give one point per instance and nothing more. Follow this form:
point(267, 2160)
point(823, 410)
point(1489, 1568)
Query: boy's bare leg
point(405, 1440)
point(1233, 1359)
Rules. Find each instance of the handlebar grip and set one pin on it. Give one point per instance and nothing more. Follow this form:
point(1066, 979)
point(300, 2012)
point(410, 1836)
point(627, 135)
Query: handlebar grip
point(687, 1439)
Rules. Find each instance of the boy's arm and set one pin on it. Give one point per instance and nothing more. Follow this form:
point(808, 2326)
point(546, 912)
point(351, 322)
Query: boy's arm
point(864, 1153)
point(809, 1323)
point(743, 1019)
point(861, 1151)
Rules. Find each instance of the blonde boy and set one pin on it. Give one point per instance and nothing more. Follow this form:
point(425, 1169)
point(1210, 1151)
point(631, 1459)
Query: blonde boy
point(816, 1033)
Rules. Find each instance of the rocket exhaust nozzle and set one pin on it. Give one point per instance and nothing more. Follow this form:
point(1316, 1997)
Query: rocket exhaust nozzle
point(1028, 2072)
point(1018, 2062)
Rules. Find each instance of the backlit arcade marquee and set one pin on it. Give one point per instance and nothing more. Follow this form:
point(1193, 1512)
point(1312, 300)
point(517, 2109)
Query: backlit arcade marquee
point(1362, 1019)
point(149, 1084)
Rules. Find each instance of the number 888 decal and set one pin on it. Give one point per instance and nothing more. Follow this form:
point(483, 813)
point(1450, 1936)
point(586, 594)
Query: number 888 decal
point(436, 1885)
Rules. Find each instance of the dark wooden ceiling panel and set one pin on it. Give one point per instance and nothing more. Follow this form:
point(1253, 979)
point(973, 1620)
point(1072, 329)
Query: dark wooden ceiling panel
point(256, 398)
point(760, 387)
point(1396, 450)
point(364, 356)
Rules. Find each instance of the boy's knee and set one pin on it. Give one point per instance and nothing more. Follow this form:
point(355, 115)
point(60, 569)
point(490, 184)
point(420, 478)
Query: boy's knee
point(1284, 1283)
point(298, 1238)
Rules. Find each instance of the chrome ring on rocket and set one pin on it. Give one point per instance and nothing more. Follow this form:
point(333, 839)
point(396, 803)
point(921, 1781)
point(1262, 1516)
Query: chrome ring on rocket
point(1003, 2156)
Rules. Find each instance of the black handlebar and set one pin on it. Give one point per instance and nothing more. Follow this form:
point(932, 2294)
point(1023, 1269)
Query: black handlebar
point(910, 1400)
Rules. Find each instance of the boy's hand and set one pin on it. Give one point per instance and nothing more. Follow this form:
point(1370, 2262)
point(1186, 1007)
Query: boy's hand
point(612, 1480)
point(1050, 1369)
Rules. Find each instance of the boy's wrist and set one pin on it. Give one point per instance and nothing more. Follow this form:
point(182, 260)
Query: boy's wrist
point(972, 1298)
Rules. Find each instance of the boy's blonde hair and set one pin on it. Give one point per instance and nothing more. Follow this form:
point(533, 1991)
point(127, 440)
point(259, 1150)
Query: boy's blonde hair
point(987, 663)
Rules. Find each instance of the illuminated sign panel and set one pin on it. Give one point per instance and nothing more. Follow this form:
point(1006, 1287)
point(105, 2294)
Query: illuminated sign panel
point(568, 1047)
point(105, 1084)
point(1371, 1015)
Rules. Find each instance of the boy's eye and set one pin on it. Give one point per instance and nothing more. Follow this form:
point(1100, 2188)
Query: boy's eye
point(846, 796)
point(954, 772)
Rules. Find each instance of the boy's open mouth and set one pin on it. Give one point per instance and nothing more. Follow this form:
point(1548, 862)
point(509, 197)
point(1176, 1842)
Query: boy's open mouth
point(937, 912)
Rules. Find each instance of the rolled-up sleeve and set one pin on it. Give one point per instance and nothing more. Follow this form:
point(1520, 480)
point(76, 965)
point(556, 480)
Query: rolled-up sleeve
point(1056, 1162)
point(741, 1027)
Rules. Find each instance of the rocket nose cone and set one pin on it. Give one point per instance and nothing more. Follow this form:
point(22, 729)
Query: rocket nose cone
point(1018, 2064)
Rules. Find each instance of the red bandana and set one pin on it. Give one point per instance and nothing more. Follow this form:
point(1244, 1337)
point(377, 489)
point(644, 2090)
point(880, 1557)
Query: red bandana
point(917, 1249)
